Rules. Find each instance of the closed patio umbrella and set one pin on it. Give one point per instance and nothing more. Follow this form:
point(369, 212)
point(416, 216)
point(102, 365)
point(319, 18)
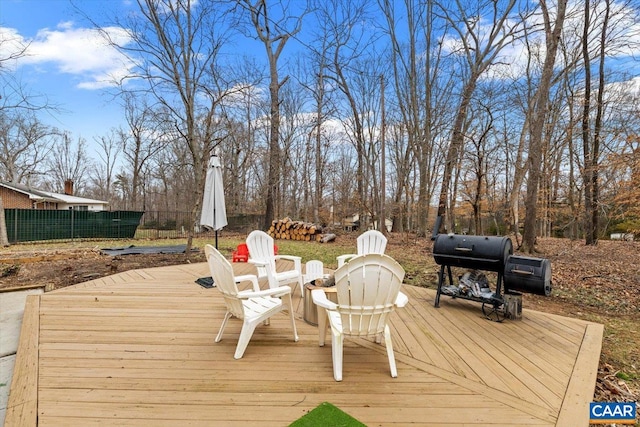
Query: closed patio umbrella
point(214, 213)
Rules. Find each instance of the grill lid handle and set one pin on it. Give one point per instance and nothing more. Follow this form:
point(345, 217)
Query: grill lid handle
point(515, 270)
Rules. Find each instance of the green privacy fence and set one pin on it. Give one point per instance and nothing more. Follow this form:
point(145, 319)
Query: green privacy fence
point(29, 225)
point(26, 225)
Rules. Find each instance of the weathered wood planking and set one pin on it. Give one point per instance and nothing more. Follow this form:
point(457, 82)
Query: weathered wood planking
point(22, 408)
point(137, 349)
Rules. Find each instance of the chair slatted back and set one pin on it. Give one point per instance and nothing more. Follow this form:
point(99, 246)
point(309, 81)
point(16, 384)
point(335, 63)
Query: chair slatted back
point(367, 288)
point(314, 269)
point(224, 280)
point(261, 247)
point(371, 242)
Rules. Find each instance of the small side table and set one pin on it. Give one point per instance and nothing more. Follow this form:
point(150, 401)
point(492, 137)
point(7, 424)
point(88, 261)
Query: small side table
point(310, 308)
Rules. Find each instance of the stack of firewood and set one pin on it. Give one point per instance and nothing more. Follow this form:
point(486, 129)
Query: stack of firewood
point(287, 229)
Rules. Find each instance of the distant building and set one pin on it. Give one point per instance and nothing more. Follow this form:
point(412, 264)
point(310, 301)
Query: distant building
point(352, 223)
point(18, 196)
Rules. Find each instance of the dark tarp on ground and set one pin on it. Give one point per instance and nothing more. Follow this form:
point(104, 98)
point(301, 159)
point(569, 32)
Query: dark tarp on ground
point(133, 250)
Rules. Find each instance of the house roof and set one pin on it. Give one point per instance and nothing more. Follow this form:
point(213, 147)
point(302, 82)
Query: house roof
point(46, 196)
point(72, 200)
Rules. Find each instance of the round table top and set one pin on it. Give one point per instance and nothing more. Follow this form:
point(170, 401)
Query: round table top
point(312, 286)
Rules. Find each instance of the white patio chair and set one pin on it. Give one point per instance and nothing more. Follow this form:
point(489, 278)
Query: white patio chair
point(262, 255)
point(313, 270)
point(368, 291)
point(250, 306)
point(369, 242)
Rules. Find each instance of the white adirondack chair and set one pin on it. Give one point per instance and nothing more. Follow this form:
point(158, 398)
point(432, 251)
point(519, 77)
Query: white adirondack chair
point(313, 270)
point(261, 254)
point(368, 291)
point(369, 242)
point(250, 306)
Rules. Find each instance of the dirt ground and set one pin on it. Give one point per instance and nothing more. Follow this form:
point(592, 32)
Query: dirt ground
point(600, 284)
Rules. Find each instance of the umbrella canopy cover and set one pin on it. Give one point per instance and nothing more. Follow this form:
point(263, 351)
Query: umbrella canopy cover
point(214, 213)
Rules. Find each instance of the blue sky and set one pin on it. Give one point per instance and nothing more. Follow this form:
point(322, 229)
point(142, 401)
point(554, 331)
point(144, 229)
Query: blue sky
point(66, 61)
point(69, 62)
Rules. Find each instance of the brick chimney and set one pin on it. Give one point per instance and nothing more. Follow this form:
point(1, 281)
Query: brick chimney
point(68, 187)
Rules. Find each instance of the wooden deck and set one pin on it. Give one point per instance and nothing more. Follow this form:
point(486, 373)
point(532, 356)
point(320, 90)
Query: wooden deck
point(137, 349)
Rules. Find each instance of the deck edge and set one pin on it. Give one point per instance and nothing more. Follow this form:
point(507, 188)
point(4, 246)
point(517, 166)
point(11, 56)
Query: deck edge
point(22, 407)
point(575, 405)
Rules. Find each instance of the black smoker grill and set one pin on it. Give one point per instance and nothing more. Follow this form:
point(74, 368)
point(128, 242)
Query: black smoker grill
point(532, 275)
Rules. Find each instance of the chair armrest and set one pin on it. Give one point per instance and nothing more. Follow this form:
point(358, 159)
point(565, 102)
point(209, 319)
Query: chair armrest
point(401, 300)
point(289, 257)
point(342, 259)
point(258, 262)
point(297, 261)
point(274, 292)
point(248, 278)
point(320, 299)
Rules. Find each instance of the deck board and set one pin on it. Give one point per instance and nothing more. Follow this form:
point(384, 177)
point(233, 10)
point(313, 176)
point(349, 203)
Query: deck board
point(137, 348)
point(22, 407)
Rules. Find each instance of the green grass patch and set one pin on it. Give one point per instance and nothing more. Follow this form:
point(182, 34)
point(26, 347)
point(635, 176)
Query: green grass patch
point(626, 377)
point(620, 346)
point(327, 414)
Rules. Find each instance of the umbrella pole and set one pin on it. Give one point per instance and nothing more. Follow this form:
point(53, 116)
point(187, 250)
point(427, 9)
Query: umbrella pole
point(214, 210)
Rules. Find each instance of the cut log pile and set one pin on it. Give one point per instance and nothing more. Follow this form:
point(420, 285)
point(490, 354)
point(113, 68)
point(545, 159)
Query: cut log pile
point(287, 229)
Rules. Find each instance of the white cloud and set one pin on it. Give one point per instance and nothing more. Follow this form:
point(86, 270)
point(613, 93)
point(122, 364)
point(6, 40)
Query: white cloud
point(11, 46)
point(83, 52)
point(624, 38)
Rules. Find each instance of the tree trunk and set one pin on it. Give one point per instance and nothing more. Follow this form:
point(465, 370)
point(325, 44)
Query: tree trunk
point(453, 154)
point(4, 239)
point(274, 43)
point(274, 141)
point(538, 120)
point(595, 155)
point(520, 170)
point(586, 143)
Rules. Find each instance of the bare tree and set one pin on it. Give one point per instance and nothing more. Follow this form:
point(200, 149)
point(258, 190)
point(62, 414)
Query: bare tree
point(296, 126)
point(274, 33)
point(17, 108)
point(68, 161)
point(102, 174)
point(363, 122)
point(176, 45)
point(346, 39)
point(241, 113)
point(479, 45)
point(592, 144)
point(422, 91)
point(140, 142)
point(316, 85)
point(477, 159)
point(24, 143)
point(552, 31)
